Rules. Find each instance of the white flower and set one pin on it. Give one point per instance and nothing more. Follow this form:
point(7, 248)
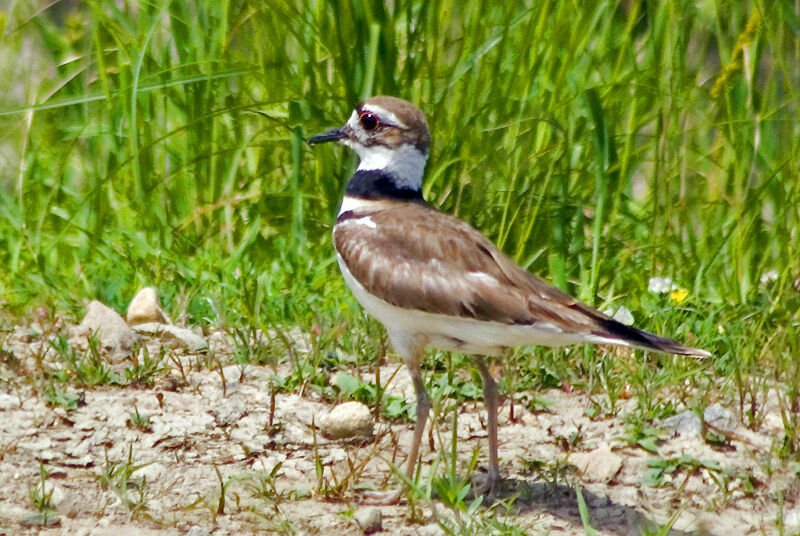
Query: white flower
point(661, 285)
point(769, 276)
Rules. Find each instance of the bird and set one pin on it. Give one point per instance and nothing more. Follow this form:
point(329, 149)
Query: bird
point(434, 281)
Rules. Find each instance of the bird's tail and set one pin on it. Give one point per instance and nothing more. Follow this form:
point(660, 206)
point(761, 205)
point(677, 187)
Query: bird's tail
point(619, 334)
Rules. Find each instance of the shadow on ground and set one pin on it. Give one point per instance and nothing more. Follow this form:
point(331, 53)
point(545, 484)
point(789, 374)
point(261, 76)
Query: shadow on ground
point(561, 501)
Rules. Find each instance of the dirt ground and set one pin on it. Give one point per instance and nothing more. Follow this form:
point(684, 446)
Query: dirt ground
point(108, 476)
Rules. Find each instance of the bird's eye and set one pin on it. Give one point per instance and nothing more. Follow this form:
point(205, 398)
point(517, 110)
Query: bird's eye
point(369, 120)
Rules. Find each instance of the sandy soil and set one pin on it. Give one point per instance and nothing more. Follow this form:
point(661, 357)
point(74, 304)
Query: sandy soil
point(203, 429)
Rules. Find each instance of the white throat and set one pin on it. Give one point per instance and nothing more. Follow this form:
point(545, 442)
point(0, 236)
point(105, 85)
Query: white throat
point(406, 164)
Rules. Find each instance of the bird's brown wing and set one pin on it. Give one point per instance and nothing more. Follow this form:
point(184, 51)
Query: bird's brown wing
point(415, 257)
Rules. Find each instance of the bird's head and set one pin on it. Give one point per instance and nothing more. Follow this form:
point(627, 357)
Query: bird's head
point(389, 135)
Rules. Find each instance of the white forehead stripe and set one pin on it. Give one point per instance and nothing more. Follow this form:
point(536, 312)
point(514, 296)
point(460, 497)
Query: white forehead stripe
point(384, 113)
point(353, 121)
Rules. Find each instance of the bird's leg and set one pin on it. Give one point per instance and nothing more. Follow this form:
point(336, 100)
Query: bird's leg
point(412, 352)
point(423, 410)
point(491, 399)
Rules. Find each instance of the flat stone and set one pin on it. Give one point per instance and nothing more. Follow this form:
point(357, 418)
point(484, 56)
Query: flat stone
point(229, 413)
point(9, 401)
point(686, 424)
point(431, 529)
point(151, 471)
point(37, 443)
point(720, 419)
point(601, 464)
point(40, 519)
point(182, 337)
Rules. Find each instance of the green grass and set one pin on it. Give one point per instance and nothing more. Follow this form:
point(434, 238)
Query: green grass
point(599, 144)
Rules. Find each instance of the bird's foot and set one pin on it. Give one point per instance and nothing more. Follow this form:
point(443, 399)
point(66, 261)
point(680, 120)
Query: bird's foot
point(382, 498)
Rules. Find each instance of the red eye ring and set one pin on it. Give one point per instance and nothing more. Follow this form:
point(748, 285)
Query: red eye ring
point(369, 121)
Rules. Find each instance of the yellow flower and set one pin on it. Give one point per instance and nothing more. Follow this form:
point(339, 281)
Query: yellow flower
point(678, 296)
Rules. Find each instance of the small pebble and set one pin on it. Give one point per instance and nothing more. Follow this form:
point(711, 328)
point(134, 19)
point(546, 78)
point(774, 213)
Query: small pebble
point(348, 420)
point(369, 519)
point(145, 307)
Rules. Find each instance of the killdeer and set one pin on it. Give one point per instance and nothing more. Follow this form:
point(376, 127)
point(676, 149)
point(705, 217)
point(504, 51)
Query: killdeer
point(434, 281)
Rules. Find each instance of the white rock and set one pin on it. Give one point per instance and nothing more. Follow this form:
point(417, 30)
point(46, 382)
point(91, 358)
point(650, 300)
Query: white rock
point(181, 425)
point(9, 401)
point(686, 424)
point(720, 418)
point(228, 412)
point(369, 519)
point(334, 456)
point(58, 494)
point(183, 337)
point(791, 521)
point(145, 307)
point(601, 464)
point(431, 529)
point(37, 443)
point(351, 419)
point(235, 373)
point(115, 336)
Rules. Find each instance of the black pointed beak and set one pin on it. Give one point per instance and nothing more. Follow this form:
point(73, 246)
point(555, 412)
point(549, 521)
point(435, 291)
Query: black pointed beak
point(329, 135)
